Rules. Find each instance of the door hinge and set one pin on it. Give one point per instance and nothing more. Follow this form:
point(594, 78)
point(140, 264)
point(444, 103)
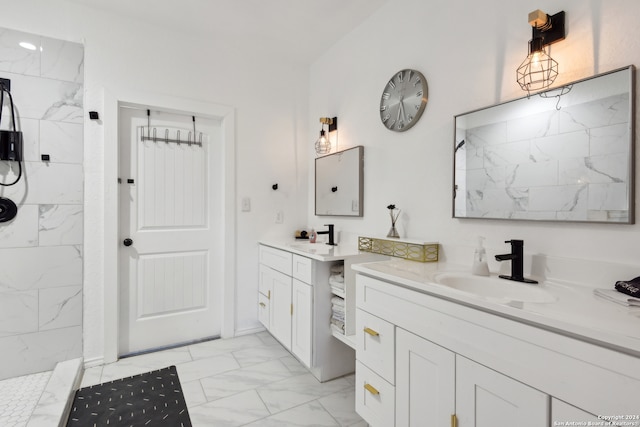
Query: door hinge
point(454, 420)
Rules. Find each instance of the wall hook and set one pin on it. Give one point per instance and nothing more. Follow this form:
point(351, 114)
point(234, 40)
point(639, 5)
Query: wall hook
point(274, 186)
point(334, 189)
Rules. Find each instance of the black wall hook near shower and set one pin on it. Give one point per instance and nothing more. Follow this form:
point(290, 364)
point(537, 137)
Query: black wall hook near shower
point(274, 186)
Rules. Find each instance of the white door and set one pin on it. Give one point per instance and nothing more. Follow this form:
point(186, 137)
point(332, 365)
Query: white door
point(171, 209)
point(425, 382)
point(485, 398)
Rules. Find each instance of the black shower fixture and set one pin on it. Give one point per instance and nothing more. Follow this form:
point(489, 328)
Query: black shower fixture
point(10, 140)
point(10, 150)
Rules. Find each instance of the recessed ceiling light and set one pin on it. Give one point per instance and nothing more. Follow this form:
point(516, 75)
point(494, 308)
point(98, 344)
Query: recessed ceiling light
point(27, 45)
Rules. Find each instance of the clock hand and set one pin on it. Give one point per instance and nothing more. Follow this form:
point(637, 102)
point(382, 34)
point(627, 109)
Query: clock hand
point(404, 117)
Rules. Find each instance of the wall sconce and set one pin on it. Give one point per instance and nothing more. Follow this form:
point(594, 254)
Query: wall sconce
point(323, 144)
point(539, 70)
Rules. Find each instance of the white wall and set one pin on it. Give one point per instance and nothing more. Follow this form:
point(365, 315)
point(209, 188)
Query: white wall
point(469, 52)
point(270, 98)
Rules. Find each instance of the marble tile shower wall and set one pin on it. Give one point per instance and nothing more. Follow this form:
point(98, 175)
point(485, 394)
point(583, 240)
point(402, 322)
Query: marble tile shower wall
point(552, 166)
point(41, 249)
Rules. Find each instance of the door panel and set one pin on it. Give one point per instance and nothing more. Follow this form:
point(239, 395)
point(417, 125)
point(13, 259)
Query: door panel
point(486, 398)
point(425, 382)
point(171, 196)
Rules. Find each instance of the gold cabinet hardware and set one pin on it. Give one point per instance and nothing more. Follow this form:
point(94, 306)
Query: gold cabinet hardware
point(371, 389)
point(371, 332)
point(269, 294)
point(292, 309)
point(454, 420)
point(262, 304)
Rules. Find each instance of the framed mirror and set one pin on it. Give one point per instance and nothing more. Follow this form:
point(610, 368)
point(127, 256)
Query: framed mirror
point(566, 154)
point(339, 183)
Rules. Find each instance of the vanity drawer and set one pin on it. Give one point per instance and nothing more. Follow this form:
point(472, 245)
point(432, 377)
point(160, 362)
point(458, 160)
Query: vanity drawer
point(275, 258)
point(375, 398)
point(301, 267)
point(375, 344)
point(264, 310)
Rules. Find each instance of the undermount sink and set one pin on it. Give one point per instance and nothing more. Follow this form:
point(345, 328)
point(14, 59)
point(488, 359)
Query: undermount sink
point(494, 288)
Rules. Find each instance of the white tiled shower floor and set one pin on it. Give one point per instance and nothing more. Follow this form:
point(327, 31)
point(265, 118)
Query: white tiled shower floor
point(19, 396)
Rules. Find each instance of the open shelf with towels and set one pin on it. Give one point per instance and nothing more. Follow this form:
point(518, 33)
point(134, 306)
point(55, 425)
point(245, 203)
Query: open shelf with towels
point(347, 292)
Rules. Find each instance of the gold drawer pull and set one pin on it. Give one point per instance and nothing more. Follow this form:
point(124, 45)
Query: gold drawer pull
point(262, 304)
point(371, 389)
point(371, 332)
point(269, 294)
point(454, 420)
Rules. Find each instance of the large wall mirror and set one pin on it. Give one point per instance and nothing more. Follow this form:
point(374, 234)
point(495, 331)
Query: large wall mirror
point(339, 183)
point(563, 155)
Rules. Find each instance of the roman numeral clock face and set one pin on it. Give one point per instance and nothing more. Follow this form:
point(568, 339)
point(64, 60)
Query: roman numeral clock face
point(403, 100)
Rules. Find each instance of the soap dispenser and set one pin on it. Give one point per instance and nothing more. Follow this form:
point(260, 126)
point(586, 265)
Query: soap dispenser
point(313, 236)
point(480, 266)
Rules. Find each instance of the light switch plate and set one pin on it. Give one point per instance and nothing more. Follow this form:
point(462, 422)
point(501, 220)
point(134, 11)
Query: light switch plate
point(245, 205)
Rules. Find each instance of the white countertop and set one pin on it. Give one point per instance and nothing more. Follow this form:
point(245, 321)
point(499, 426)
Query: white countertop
point(577, 312)
point(317, 251)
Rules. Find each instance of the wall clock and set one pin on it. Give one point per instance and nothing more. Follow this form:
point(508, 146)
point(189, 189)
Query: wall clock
point(403, 100)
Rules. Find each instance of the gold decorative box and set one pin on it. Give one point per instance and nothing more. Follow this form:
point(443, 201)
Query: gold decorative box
point(414, 251)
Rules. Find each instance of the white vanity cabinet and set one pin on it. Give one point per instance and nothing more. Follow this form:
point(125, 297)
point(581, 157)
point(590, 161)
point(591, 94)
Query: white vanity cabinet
point(294, 305)
point(428, 361)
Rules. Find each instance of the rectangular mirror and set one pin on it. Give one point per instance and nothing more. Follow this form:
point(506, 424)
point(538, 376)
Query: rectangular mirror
point(566, 154)
point(339, 183)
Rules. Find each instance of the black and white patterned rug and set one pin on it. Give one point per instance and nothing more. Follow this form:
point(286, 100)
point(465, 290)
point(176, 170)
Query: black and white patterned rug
point(151, 399)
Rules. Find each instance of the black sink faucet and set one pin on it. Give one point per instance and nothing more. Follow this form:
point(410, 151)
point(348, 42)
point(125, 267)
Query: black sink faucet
point(517, 260)
point(330, 233)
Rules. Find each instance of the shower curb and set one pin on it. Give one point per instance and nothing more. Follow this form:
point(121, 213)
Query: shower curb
point(54, 404)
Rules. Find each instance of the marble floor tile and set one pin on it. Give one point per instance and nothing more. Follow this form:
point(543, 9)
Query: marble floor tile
point(341, 406)
point(222, 346)
point(202, 368)
point(232, 382)
point(308, 414)
point(291, 392)
point(253, 356)
point(236, 410)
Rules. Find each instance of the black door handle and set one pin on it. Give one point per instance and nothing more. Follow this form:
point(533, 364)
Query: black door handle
point(127, 242)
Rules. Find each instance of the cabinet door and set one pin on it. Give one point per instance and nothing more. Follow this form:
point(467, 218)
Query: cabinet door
point(302, 301)
point(425, 382)
point(280, 325)
point(485, 398)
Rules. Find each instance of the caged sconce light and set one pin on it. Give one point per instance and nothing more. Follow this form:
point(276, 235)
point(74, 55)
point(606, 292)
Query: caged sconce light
point(323, 144)
point(539, 70)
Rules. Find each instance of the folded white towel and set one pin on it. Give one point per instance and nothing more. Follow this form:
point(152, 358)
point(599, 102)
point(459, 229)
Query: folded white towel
point(334, 283)
point(617, 297)
point(337, 315)
point(337, 277)
point(337, 301)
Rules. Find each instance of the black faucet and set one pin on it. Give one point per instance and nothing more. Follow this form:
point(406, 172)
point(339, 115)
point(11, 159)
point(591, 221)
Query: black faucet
point(330, 233)
point(517, 260)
